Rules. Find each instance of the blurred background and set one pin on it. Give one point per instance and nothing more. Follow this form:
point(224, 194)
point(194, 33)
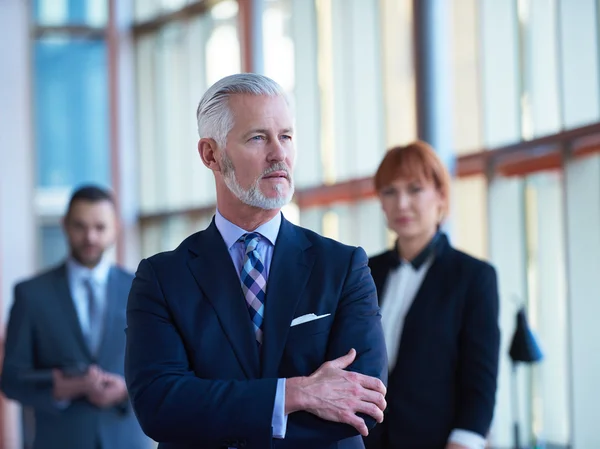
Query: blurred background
point(507, 91)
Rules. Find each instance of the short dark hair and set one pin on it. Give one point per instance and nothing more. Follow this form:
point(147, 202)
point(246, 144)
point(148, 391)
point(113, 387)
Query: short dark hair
point(92, 194)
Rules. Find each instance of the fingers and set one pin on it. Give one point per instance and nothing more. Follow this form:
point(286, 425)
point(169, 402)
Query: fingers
point(357, 422)
point(370, 383)
point(344, 361)
point(375, 398)
point(370, 409)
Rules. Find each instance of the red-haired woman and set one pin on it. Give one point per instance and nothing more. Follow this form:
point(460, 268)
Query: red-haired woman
point(439, 310)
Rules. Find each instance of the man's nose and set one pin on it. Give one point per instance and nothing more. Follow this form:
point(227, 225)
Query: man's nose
point(277, 151)
point(91, 236)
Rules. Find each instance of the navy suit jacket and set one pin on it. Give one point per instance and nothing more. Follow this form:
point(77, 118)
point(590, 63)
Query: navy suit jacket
point(44, 333)
point(192, 365)
point(445, 373)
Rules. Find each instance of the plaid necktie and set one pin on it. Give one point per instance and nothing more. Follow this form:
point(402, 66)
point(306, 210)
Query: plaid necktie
point(254, 282)
point(95, 323)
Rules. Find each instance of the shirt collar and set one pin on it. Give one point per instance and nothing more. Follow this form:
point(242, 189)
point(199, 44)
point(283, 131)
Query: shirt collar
point(231, 233)
point(417, 262)
point(99, 274)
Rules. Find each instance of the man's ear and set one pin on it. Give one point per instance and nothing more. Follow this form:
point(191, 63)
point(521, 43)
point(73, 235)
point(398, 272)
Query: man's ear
point(207, 149)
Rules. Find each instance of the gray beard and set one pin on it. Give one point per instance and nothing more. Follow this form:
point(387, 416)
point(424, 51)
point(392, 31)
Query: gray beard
point(253, 196)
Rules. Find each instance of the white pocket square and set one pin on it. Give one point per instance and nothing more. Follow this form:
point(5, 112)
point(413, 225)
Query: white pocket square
point(306, 318)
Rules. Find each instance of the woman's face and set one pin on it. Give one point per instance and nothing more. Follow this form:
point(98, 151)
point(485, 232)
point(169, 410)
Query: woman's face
point(413, 207)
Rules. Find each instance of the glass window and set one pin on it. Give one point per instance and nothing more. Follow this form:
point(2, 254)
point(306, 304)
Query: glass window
point(547, 306)
point(370, 231)
point(278, 44)
point(175, 66)
point(351, 97)
point(71, 112)
point(74, 12)
point(146, 121)
point(468, 215)
point(541, 113)
point(360, 224)
point(223, 48)
point(172, 5)
point(146, 9)
point(467, 118)
point(583, 242)
point(312, 218)
point(579, 56)
point(201, 186)
point(398, 72)
point(500, 73)
point(507, 253)
point(53, 246)
point(307, 99)
point(172, 133)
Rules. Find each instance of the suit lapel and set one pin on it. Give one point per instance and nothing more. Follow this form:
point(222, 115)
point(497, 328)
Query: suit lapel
point(288, 274)
point(215, 274)
point(65, 300)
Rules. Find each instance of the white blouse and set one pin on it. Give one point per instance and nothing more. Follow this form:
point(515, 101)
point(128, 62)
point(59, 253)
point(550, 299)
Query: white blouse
point(399, 292)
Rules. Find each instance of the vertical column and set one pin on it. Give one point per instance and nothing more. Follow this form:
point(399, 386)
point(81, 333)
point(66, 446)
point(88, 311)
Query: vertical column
point(250, 14)
point(124, 168)
point(17, 224)
point(432, 32)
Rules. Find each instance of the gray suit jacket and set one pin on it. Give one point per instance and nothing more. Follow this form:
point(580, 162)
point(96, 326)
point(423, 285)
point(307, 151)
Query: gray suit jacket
point(44, 333)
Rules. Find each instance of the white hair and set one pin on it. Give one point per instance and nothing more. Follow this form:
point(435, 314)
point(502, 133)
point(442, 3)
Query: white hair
point(214, 116)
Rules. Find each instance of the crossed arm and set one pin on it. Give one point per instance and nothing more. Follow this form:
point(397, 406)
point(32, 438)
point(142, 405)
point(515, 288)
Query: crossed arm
point(174, 405)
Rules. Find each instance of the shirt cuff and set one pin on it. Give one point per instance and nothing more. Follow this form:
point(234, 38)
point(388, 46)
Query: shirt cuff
point(467, 438)
point(279, 422)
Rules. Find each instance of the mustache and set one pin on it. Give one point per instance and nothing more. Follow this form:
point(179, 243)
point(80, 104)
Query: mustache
point(279, 166)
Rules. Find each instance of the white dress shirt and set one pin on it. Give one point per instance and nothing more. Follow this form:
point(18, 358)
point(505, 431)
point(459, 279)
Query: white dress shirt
point(401, 288)
point(231, 234)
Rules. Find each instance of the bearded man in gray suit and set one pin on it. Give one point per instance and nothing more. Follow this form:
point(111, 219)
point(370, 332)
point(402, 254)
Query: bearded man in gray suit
point(65, 340)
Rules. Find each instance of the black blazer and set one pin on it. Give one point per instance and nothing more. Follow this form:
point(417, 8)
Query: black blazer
point(447, 365)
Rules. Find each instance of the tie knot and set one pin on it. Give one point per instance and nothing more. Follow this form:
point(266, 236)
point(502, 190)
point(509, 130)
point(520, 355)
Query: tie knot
point(250, 240)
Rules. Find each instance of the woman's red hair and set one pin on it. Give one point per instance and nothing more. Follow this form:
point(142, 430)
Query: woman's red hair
point(417, 160)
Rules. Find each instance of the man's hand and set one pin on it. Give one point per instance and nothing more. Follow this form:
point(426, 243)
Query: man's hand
point(66, 388)
point(112, 391)
point(334, 394)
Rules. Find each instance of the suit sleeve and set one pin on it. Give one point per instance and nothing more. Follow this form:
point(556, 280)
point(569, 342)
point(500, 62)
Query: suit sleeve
point(19, 360)
point(170, 402)
point(478, 356)
point(357, 325)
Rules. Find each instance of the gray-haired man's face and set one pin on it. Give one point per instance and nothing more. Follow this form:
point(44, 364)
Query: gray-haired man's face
point(258, 159)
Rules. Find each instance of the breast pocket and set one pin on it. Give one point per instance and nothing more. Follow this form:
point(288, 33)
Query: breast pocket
point(313, 327)
point(306, 347)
